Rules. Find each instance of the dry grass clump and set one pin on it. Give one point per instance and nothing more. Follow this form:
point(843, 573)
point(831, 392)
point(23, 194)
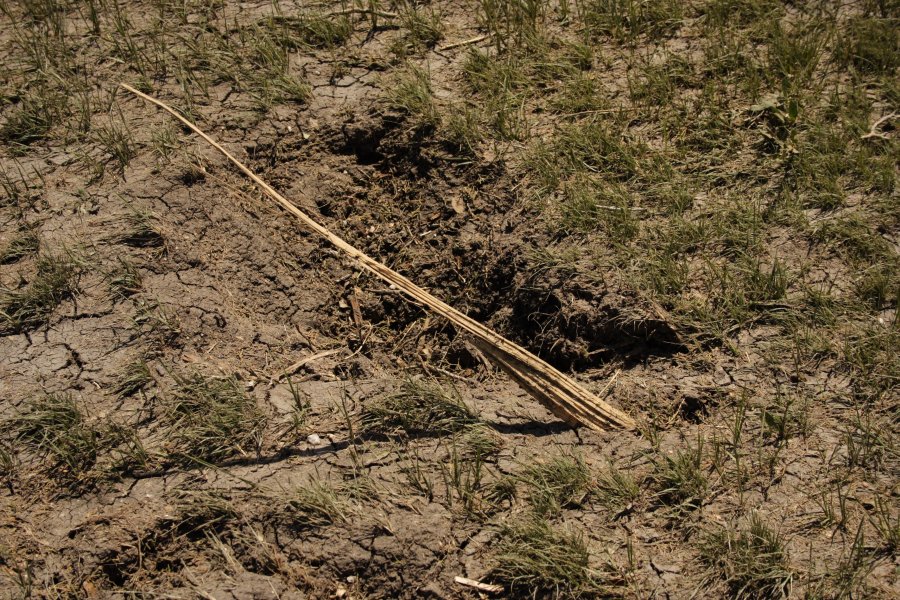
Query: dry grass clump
point(316, 504)
point(419, 408)
point(534, 559)
point(133, 378)
point(680, 479)
point(561, 482)
point(22, 245)
point(752, 561)
point(140, 229)
point(212, 419)
point(28, 307)
point(56, 427)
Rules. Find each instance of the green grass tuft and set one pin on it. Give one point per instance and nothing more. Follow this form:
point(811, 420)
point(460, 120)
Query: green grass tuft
point(625, 20)
point(794, 51)
point(423, 27)
point(38, 112)
point(117, 142)
point(854, 237)
point(680, 479)
point(212, 419)
point(587, 206)
point(752, 561)
point(317, 31)
point(263, 65)
point(7, 462)
point(561, 482)
point(125, 280)
point(411, 92)
point(316, 504)
point(140, 229)
point(616, 488)
point(55, 425)
point(419, 408)
point(134, 377)
point(31, 306)
point(871, 45)
point(534, 560)
point(22, 245)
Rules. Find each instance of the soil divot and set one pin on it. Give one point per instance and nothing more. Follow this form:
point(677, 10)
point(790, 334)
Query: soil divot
point(566, 398)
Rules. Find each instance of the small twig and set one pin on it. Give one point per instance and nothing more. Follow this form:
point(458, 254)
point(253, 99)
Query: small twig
point(355, 310)
point(302, 362)
point(675, 414)
point(363, 11)
point(608, 207)
point(305, 337)
point(450, 374)
point(195, 583)
point(490, 588)
point(610, 383)
point(361, 344)
point(474, 40)
point(599, 111)
point(474, 351)
point(874, 133)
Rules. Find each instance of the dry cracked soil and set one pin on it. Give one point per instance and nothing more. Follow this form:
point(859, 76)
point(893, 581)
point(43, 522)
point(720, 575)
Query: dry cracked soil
point(199, 398)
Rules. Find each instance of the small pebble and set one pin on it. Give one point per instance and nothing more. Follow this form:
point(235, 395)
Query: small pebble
point(314, 439)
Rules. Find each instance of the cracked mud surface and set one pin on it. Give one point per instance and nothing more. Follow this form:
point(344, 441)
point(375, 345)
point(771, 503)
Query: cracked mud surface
point(236, 290)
